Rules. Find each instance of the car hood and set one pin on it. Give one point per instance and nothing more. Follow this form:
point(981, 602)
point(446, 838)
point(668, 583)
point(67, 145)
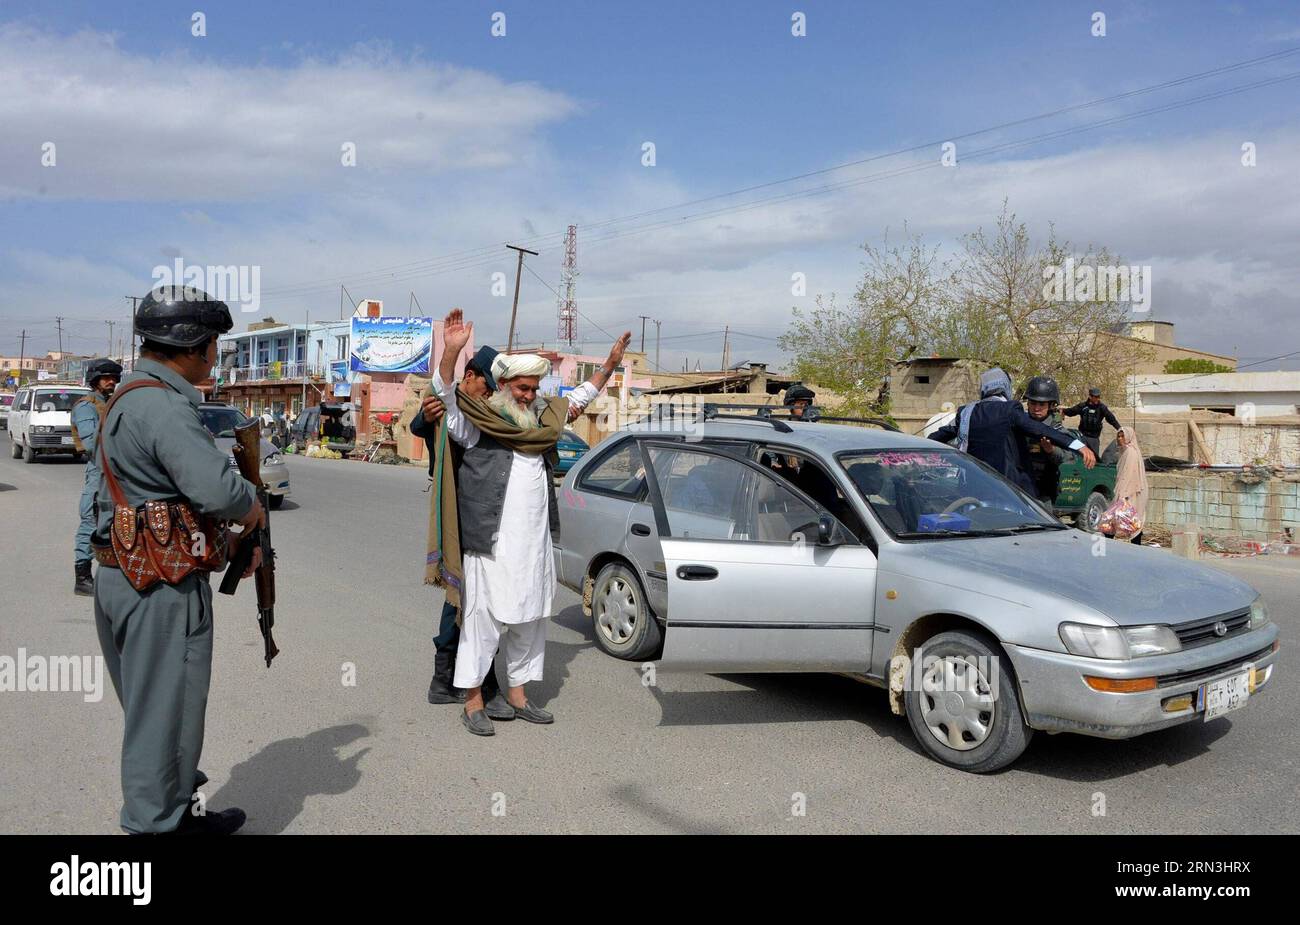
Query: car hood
point(50, 417)
point(1130, 584)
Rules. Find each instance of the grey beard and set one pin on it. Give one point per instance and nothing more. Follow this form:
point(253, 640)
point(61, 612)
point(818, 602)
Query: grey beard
point(504, 402)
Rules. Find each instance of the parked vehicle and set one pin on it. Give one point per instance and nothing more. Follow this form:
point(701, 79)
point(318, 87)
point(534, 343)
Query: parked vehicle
point(6, 402)
point(783, 546)
point(40, 421)
point(221, 420)
point(571, 448)
point(323, 422)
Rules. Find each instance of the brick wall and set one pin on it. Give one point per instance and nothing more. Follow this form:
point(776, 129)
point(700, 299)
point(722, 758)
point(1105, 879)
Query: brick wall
point(1222, 504)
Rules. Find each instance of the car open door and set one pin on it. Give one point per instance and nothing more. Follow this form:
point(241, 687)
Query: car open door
point(760, 578)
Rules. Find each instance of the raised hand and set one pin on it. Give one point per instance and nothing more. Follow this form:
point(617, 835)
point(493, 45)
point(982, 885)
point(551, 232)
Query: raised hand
point(616, 352)
point(456, 332)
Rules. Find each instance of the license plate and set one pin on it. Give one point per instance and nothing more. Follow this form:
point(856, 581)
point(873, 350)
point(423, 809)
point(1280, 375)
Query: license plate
point(67, 441)
point(1226, 694)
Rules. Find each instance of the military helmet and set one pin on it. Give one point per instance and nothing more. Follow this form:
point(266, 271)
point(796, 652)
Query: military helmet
point(1042, 388)
point(181, 316)
point(798, 392)
point(96, 369)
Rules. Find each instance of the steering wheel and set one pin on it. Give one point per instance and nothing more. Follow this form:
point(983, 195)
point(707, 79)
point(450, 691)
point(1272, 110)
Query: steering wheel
point(962, 502)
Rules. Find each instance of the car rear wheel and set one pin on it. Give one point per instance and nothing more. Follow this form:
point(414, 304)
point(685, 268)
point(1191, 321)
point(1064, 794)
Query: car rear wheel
point(966, 712)
point(15, 448)
point(1090, 517)
point(625, 627)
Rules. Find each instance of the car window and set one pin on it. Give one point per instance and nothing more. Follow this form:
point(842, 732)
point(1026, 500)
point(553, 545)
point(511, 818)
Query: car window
point(6, 400)
point(23, 401)
point(619, 473)
point(56, 401)
point(920, 493)
point(721, 498)
point(811, 477)
point(221, 422)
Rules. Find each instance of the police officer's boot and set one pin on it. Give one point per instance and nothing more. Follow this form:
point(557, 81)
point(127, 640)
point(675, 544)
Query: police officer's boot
point(85, 583)
point(441, 689)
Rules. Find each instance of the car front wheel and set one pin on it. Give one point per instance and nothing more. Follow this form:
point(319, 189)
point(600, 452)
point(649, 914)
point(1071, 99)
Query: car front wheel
point(625, 627)
point(962, 703)
point(276, 501)
point(29, 455)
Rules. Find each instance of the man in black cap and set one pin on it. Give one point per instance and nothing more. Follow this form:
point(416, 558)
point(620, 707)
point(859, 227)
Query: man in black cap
point(477, 383)
point(102, 376)
point(798, 398)
point(157, 643)
point(1091, 413)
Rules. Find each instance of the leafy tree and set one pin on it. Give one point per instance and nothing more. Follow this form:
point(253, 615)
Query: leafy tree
point(1196, 365)
point(989, 304)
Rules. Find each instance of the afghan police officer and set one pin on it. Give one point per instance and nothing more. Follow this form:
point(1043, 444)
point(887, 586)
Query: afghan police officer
point(798, 398)
point(102, 376)
point(1042, 395)
point(157, 643)
point(1090, 414)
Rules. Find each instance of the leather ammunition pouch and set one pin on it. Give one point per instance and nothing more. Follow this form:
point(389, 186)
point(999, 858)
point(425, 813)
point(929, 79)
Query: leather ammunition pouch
point(159, 540)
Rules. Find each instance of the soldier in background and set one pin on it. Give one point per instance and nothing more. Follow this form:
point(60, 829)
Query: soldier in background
point(1090, 414)
point(102, 376)
point(157, 643)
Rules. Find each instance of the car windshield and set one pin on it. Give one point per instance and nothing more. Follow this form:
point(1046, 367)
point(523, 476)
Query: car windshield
point(571, 437)
point(6, 400)
point(221, 422)
point(56, 401)
point(931, 494)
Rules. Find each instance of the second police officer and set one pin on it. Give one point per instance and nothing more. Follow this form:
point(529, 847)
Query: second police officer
point(102, 376)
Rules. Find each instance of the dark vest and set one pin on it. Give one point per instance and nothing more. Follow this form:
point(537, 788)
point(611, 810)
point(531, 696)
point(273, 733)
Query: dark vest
point(481, 493)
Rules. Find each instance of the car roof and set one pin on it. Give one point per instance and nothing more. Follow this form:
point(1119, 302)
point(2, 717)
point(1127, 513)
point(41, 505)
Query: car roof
point(825, 439)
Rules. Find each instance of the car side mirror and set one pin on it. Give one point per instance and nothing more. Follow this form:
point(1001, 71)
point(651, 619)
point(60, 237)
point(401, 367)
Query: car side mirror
point(825, 530)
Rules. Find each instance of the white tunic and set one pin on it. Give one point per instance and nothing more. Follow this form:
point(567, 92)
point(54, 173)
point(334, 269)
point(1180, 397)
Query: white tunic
point(516, 584)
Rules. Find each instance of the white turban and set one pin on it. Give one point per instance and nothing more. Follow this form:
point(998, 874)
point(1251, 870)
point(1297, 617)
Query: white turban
point(510, 365)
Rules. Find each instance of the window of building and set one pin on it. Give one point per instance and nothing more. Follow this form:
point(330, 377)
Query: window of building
point(341, 346)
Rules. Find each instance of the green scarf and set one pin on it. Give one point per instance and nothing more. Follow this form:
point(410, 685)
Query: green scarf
point(444, 565)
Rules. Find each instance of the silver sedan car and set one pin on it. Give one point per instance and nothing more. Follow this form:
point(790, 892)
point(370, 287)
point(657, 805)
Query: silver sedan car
point(221, 421)
point(767, 545)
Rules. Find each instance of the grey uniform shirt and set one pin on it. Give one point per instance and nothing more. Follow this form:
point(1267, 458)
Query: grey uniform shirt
point(160, 450)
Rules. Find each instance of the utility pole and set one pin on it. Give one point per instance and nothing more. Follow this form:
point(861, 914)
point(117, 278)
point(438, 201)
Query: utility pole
point(22, 354)
point(726, 358)
point(110, 336)
point(519, 272)
point(58, 323)
point(643, 321)
point(657, 323)
point(134, 300)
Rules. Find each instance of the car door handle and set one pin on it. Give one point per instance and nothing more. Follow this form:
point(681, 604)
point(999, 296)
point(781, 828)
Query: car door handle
point(696, 572)
point(640, 529)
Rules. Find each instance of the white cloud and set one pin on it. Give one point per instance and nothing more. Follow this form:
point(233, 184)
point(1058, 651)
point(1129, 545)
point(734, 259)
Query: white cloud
point(176, 126)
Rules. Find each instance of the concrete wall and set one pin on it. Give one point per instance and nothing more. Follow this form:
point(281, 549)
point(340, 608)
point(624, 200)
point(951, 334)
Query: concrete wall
point(1262, 394)
point(1222, 504)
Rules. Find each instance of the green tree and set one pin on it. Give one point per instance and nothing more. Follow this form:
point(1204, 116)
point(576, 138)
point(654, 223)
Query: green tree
point(1195, 365)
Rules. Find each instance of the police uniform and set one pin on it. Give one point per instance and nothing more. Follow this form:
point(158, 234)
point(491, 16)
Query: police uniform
point(157, 644)
point(86, 415)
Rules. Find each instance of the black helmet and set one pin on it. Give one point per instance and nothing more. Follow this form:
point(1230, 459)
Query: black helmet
point(181, 316)
point(98, 368)
point(798, 393)
point(1042, 388)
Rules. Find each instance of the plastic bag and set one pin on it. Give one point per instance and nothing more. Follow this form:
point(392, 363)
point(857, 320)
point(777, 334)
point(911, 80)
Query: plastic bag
point(1120, 520)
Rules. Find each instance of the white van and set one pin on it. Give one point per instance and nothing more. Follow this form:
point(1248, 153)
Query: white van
point(40, 420)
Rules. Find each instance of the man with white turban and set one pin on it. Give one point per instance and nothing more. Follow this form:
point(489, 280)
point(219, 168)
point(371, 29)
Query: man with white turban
point(506, 511)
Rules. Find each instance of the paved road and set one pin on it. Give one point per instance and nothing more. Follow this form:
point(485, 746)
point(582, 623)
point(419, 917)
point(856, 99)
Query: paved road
point(302, 752)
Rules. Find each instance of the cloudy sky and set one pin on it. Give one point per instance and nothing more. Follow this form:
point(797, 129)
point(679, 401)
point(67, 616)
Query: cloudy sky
point(227, 149)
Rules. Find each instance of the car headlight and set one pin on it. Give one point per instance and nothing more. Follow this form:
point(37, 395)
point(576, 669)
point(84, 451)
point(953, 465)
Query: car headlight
point(1118, 642)
point(273, 460)
point(41, 428)
point(1258, 613)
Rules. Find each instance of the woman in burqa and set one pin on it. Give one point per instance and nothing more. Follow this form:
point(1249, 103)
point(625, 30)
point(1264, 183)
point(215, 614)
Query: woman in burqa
point(1131, 478)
